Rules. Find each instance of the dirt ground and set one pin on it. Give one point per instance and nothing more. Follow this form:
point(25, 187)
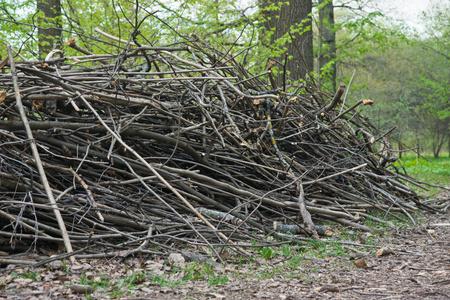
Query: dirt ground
point(419, 268)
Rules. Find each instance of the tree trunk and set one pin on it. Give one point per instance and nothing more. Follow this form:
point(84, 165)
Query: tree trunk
point(327, 53)
point(439, 135)
point(49, 31)
point(292, 23)
point(417, 144)
point(448, 145)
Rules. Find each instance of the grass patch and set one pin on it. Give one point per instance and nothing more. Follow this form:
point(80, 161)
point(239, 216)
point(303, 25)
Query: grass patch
point(431, 170)
point(123, 285)
point(198, 271)
point(35, 276)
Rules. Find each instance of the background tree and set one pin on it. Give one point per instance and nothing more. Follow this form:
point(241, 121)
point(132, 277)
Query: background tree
point(434, 76)
point(287, 30)
point(326, 48)
point(50, 25)
point(406, 75)
point(16, 28)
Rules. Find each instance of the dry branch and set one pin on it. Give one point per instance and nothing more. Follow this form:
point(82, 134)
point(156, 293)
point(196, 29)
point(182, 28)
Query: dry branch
point(37, 158)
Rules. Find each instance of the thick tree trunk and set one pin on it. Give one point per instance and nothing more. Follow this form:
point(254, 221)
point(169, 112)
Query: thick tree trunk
point(49, 31)
point(291, 22)
point(327, 51)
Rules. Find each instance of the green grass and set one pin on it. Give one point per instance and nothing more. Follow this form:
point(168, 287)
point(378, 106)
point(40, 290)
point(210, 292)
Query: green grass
point(198, 271)
point(33, 275)
point(430, 170)
point(115, 286)
point(267, 252)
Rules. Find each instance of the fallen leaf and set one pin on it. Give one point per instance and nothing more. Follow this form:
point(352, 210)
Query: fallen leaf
point(225, 255)
point(55, 265)
point(360, 263)
point(176, 258)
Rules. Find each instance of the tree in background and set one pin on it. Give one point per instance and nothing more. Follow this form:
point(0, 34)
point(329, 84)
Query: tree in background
point(434, 75)
point(50, 25)
point(408, 84)
point(287, 31)
point(326, 48)
point(14, 29)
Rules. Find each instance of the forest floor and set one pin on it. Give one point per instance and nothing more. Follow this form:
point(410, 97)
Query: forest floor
point(419, 268)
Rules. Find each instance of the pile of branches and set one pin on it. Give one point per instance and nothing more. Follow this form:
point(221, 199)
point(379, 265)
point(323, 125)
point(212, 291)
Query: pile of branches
point(161, 146)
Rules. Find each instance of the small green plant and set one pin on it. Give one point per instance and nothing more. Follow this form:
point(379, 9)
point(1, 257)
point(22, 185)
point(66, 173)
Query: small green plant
point(102, 282)
point(317, 244)
point(193, 272)
point(286, 249)
point(115, 287)
point(268, 271)
point(163, 280)
point(160, 280)
point(267, 252)
point(295, 262)
point(64, 265)
point(33, 275)
point(217, 280)
point(136, 278)
point(212, 278)
point(337, 249)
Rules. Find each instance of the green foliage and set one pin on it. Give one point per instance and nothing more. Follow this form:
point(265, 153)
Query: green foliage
point(406, 75)
point(33, 275)
point(231, 26)
point(103, 281)
point(14, 29)
point(164, 280)
point(408, 81)
point(212, 277)
point(116, 286)
point(64, 265)
point(266, 252)
point(286, 250)
point(173, 278)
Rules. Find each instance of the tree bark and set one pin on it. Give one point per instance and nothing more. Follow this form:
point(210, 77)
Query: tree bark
point(50, 27)
point(448, 145)
point(293, 22)
point(439, 134)
point(400, 148)
point(327, 52)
